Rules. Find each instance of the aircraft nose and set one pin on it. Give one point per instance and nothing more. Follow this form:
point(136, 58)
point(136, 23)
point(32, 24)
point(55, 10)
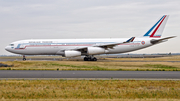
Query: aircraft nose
point(7, 48)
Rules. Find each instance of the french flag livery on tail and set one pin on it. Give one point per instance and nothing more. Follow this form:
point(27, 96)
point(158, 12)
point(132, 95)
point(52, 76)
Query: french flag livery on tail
point(157, 29)
point(90, 47)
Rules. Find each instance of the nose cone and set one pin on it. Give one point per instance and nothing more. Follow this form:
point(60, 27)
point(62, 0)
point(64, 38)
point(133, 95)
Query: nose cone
point(7, 48)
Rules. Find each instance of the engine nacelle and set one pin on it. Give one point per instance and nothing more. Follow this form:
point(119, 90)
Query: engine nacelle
point(95, 50)
point(72, 53)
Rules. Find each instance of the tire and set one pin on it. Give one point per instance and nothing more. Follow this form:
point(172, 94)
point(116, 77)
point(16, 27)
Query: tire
point(88, 59)
point(24, 59)
point(85, 59)
point(94, 59)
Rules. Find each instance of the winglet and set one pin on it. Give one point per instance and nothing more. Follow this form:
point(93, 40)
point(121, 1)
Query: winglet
point(130, 40)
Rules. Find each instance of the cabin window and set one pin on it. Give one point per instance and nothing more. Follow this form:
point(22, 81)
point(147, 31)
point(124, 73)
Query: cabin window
point(11, 44)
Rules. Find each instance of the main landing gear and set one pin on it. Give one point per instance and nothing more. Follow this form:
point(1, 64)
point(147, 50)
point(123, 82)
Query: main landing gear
point(24, 58)
point(90, 58)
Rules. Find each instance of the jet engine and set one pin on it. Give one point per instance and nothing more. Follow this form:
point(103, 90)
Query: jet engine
point(72, 53)
point(95, 50)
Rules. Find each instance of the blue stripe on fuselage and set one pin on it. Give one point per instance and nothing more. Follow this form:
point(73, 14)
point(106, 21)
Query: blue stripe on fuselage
point(18, 46)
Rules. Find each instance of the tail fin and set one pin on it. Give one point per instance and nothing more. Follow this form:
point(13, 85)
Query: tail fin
point(157, 29)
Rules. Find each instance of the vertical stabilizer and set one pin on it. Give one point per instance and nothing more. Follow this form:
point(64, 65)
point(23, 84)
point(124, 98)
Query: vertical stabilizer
point(157, 30)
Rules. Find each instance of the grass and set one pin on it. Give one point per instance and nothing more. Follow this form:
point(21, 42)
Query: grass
point(93, 90)
point(81, 65)
point(92, 99)
point(168, 58)
point(89, 89)
point(159, 66)
point(140, 64)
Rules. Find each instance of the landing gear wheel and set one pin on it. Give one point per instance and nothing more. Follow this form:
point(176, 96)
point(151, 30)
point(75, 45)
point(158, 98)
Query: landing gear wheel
point(94, 59)
point(85, 59)
point(24, 59)
point(90, 58)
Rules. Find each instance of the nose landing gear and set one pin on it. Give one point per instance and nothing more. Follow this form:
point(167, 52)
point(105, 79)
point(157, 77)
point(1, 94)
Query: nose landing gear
point(24, 58)
point(90, 58)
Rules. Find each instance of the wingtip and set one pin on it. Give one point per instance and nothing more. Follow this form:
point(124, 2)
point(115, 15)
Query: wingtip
point(173, 36)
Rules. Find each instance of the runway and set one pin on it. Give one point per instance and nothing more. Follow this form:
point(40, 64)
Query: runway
point(55, 59)
point(30, 74)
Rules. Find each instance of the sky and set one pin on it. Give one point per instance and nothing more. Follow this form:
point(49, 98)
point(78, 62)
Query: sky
point(64, 19)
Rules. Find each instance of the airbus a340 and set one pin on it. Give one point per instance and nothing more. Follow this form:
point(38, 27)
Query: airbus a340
point(90, 47)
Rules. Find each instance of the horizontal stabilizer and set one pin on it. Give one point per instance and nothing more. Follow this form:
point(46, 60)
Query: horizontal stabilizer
point(154, 41)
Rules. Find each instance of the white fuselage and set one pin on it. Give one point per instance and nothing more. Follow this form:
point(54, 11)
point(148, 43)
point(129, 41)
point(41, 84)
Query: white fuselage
point(56, 46)
point(90, 47)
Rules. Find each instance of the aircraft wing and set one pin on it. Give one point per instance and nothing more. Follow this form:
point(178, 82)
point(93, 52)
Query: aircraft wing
point(108, 45)
point(114, 44)
point(102, 45)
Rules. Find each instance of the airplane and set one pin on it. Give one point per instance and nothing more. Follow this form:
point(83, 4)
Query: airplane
point(90, 47)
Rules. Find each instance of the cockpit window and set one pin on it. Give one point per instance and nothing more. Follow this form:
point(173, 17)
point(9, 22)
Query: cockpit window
point(11, 44)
